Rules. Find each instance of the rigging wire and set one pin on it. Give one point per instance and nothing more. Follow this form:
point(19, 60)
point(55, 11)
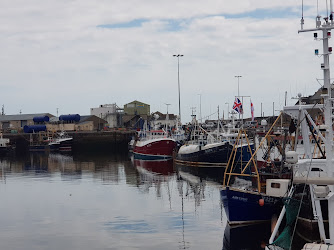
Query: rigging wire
point(208, 116)
point(300, 204)
point(302, 198)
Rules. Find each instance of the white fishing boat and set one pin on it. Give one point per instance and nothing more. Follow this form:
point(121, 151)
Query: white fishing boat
point(311, 200)
point(5, 145)
point(64, 141)
point(211, 148)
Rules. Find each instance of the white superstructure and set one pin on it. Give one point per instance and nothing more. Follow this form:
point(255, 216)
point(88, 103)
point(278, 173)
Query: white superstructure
point(108, 112)
point(318, 173)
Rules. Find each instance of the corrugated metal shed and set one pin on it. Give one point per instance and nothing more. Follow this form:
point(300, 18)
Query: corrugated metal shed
point(20, 117)
point(137, 108)
point(86, 118)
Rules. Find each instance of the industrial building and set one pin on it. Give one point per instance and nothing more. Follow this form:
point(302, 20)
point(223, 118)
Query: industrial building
point(75, 122)
point(163, 120)
point(137, 108)
point(135, 113)
point(15, 123)
point(109, 112)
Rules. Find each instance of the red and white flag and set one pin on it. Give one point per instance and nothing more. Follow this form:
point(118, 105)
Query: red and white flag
point(252, 111)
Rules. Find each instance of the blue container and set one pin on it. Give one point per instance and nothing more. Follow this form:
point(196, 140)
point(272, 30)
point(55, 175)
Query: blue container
point(41, 119)
point(74, 118)
point(34, 128)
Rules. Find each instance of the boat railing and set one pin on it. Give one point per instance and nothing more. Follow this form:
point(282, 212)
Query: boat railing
point(231, 170)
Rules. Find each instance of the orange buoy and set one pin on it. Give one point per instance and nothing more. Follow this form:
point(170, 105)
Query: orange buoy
point(263, 244)
point(261, 202)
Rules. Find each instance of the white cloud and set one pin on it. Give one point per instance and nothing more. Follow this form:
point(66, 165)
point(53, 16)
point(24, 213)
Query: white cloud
point(55, 55)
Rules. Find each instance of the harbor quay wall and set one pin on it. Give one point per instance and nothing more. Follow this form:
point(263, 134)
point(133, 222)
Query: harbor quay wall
point(100, 141)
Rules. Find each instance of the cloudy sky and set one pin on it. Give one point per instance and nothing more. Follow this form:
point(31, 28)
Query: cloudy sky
point(77, 54)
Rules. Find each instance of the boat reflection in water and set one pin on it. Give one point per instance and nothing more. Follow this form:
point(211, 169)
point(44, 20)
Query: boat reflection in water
point(209, 173)
point(163, 167)
point(246, 237)
point(115, 201)
point(153, 173)
point(190, 188)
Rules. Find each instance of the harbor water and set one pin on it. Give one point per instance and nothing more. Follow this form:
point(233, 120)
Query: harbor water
point(110, 201)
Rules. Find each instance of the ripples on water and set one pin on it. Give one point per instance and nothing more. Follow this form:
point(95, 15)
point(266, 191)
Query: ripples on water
point(111, 202)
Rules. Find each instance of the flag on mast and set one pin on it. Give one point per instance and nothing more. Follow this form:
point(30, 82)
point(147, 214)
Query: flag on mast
point(237, 106)
point(252, 110)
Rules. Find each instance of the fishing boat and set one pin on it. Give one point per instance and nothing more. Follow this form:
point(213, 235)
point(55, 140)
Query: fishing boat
point(153, 144)
point(311, 205)
point(248, 196)
point(5, 145)
point(212, 149)
point(45, 141)
point(61, 141)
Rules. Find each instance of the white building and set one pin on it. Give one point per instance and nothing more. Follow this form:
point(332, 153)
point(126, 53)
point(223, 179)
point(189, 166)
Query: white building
point(163, 120)
point(108, 112)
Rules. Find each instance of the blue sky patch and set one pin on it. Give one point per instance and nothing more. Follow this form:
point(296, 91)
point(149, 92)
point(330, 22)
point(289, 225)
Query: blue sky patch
point(266, 13)
point(131, 24)
point(176, 24)
point(170, 24)
point(173, 25)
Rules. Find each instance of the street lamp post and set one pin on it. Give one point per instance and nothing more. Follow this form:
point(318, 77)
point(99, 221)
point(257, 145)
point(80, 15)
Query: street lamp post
point(167, 104)
point(178, 81)
point(238, 84)
point(200, 107)
point(167, 117)
point(228, 110)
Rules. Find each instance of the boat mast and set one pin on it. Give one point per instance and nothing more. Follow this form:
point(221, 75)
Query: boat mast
point(218, 130)
point(325, 27)
point(178, 81)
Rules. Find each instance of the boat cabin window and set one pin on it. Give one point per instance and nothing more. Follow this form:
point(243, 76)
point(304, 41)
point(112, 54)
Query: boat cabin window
point(275, 185)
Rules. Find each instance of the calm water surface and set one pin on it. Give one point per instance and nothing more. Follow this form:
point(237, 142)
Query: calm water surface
point(111, 202)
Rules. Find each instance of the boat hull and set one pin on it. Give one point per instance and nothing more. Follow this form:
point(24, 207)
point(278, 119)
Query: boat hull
point(66, 146)
point(243, 207)
point(154, 149)
point(4, 150)
point(218, 154)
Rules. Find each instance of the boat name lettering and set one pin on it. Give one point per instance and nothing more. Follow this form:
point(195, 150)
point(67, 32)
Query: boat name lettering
point(240, 198)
